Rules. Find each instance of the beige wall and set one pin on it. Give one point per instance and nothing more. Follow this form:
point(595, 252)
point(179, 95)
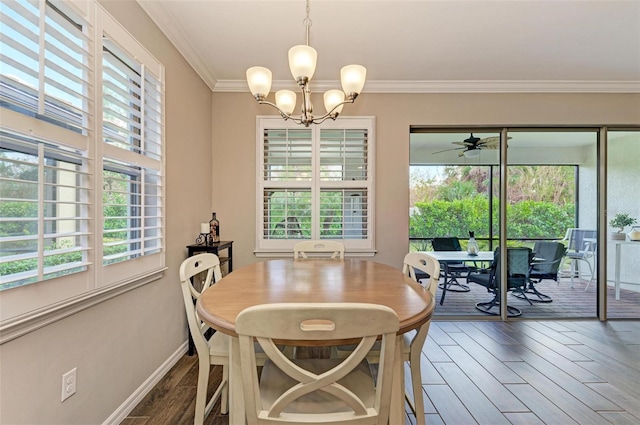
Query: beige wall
point(234, 148)
point(118, 344)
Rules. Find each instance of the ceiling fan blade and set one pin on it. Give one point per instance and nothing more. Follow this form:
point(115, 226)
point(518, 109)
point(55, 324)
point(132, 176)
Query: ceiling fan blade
point(447, 150)
point(491, 142)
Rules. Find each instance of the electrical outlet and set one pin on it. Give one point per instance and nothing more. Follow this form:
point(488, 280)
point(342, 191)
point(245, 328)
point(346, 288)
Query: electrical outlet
point(69, 384)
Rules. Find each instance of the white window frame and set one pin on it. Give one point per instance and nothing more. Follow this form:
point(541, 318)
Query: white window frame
point(268, 247)
point(29, 307)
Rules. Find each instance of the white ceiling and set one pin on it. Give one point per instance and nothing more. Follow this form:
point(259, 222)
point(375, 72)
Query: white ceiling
point(415, 46)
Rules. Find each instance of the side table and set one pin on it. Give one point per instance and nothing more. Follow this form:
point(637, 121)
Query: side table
point(215, 248)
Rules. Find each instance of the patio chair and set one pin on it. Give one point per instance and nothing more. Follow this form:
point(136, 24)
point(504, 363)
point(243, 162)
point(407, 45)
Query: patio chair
point(328, 391)
point(545, 264)
point(451, 270)
point(518, 264)
point(581, 249)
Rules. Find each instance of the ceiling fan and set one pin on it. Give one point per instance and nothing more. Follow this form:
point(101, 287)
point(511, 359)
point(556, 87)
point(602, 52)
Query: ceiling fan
point(472, 146)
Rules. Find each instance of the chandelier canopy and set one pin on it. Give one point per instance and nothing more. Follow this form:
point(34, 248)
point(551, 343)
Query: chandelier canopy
point(302, 63)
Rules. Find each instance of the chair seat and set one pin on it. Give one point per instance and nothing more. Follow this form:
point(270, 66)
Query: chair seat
point(274, 382)
point(407, 337)
point(219, 344)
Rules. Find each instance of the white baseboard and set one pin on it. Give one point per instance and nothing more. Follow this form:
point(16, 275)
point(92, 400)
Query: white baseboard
point(134, 399)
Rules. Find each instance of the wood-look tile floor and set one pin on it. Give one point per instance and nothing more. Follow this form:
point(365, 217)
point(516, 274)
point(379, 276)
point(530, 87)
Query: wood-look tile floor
point(481, 372)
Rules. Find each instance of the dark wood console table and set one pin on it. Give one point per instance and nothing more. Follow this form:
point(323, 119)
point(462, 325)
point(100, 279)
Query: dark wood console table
point(215, 249)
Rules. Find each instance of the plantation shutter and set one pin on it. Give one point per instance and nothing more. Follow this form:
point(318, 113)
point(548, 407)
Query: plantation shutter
point(315, 183)
point(45, 75)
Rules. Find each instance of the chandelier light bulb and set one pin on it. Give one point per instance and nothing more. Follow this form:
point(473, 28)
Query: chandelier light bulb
point(332, 98)
point(353, 78)
point(259, 80)
point(286, 100)
point(302, 62)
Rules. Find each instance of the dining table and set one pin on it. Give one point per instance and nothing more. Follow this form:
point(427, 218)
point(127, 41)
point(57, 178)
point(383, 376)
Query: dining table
point(318, 281)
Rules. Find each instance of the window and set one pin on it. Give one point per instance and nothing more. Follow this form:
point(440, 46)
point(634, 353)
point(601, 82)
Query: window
point(315, 183)
point(81, 157)
point(44, 210)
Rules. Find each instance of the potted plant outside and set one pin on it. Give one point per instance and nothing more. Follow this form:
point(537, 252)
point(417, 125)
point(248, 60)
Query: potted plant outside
point(620, 221)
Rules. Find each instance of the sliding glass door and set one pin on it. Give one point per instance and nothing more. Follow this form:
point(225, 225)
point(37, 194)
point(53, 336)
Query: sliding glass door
point(623, 213)
point(550, 195)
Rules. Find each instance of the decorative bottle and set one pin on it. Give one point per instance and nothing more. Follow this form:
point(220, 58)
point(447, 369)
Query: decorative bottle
point(214, 229)
point(472, 246)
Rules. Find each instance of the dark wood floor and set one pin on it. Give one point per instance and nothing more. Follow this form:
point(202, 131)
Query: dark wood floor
point(480, 372)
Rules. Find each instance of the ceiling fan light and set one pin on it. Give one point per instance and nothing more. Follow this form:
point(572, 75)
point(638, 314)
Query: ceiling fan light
point(259, 81)
point(286, 101)
point(472, 153)
point(353, 78)
point(333, 98)
point(302, 62)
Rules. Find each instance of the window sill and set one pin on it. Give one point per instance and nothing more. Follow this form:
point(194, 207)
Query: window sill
point(21, 325)
point(289, 253)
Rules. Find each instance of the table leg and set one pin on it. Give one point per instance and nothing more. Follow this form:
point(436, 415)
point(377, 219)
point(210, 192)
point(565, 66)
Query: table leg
point(617, 273)
point(236, 397)
point(396, 411)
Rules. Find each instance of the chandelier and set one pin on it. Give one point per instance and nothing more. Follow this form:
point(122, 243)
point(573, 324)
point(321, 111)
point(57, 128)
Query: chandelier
point(302, 62)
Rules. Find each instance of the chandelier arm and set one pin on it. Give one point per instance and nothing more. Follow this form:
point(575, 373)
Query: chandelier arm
point(284, 114)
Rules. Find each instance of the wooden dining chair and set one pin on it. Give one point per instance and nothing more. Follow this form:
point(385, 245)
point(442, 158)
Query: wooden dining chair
point(413, 342)
point(212, 351)
point(328, 390)
point(307, 249)
point(415, 265)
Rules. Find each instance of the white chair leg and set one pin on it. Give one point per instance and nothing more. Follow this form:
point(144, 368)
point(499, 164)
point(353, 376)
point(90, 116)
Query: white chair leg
point(573, 271)
point(591, 273)
point(201, 390)
point(416, 384)
point(224, 402)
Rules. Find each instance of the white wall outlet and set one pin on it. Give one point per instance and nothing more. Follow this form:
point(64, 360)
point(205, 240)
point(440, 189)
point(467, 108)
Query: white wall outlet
point(69, 384)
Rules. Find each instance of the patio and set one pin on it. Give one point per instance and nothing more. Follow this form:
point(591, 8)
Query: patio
point(567, 302)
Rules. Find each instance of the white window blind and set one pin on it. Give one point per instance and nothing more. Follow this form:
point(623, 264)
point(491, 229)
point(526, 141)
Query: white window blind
point(132, 169)
point(81, 158)
point(315, 183)
point(45, 74)
point(44, 211)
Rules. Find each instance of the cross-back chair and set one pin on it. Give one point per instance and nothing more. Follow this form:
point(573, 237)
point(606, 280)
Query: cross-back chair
point(316, 249)
point(328, 391)
point(424, 269)
point(211, 351)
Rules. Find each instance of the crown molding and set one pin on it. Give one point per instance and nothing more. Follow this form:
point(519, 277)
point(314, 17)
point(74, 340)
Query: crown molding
point(179, 39)
point(455, 86)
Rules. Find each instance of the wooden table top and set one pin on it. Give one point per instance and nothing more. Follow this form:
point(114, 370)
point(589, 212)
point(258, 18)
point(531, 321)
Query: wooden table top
point(286, 280)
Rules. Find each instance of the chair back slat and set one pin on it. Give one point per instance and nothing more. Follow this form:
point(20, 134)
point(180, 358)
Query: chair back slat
point(317, 248)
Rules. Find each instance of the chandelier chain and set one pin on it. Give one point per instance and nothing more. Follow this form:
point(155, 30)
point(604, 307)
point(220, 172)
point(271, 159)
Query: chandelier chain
point(307, 22)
